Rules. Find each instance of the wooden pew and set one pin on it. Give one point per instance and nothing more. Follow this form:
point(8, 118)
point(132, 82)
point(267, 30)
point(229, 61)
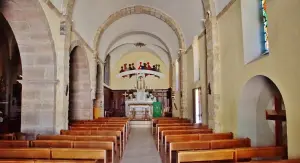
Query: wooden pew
point(276, 161)
point(194, 137)
point(14, 144)
point(53, 153)
point(55, 137)
point(108, 146)
point(164, 128)
point(25, 153)
point(168, 121)
point(265, 152)
point(206, 145)
point(176, 132)
point(80, 138)
point(160, 129)
point(232, 155)
point(77, 138)
point(154, 121)
point(44, 141)
point(96, 133)
point(172, 124)
point(47, 161)
point(78, 154)
point(104, 124)
point(102, 127)
point(17, 161)
point(51, 144)
point(64, 161)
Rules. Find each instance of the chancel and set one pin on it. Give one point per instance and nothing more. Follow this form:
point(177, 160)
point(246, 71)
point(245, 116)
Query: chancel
point(149, 81)
point(140, 100)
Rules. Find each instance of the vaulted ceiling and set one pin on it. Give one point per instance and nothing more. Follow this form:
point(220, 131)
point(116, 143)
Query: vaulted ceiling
point(163, 25)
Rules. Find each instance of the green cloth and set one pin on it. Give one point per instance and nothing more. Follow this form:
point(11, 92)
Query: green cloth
point(157, 107)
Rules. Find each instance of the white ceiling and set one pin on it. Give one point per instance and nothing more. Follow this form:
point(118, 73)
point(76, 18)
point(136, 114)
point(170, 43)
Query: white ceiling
point(135, 37)
point(221, 4)
point(89, 15)
point(132, 23)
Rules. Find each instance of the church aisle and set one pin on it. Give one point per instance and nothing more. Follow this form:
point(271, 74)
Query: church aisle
point(141, 147)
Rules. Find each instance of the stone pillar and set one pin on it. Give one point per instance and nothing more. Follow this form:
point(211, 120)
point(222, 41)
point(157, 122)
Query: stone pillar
point(38, 107)
point(63, 67)
point(99, 101)
point(213, 66)
point(174, 80)
point(183, 85)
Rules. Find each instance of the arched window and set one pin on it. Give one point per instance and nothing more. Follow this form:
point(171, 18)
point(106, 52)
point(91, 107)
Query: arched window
point(264, 18)
point(255, 29)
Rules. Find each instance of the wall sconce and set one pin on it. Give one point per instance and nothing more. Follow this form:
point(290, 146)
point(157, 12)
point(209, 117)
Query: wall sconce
point(67, 90)
point(209, 89)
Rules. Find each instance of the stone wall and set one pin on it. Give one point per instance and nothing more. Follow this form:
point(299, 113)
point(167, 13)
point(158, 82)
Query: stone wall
point(31, 29)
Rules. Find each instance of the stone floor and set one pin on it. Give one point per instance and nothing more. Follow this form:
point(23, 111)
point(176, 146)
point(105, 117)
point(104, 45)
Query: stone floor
point(141, 147)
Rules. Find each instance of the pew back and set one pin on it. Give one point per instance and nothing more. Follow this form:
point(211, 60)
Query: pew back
point(55, 137)
point(264, 152)
point(78, 154)
point(231, 154)
point(51, 144)
point(24, 153)
point(14, 144)
point(208, 145)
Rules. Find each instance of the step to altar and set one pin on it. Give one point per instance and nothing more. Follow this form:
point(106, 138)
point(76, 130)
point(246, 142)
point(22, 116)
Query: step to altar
point(140, 123)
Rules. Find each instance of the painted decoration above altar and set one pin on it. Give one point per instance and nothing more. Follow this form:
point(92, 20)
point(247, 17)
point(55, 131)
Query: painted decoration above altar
point(143, 68)
point(131, 73)
point(125, 71)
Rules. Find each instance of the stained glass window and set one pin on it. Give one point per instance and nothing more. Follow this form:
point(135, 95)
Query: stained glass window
point(265, 33)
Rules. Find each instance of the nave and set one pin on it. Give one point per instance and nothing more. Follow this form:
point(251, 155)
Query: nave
point(218, 78)
point(141, 147)
point(112, 140)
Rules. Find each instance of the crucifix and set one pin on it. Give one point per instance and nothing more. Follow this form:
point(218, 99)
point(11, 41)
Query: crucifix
point(125, 94)
point(278, 115)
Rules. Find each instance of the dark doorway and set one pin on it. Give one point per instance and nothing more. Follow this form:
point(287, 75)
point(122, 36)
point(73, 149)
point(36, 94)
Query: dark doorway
point(80, 102)
point(10, 74)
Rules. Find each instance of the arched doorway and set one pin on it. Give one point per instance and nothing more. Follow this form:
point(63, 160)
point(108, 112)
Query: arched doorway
point(259, 95)
point(39, 75)
point(10, 73)
point(80, 101)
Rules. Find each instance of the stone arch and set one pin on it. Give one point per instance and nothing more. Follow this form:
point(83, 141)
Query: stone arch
point(139, 9)
point(80, 100)
point(10, 73)
point(78, 43)
point(30, 26)
point(258, 94)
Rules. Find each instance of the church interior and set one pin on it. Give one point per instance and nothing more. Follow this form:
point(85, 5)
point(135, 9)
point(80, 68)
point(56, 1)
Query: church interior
point(156, 81)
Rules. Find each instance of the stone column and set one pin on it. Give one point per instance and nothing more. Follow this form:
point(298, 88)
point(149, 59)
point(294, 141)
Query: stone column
point(213, 66)
point(63, 68)
point(173, 86)
point(183, 85)
point(38, 107)
point(98, 103)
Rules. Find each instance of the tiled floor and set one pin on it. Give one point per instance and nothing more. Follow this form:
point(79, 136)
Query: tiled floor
point(141, 147)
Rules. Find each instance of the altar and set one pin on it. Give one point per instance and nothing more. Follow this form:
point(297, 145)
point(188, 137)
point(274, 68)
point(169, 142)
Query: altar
point(138, 103)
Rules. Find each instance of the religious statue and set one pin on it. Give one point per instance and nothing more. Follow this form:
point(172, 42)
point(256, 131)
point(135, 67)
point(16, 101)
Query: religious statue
point(140, 82)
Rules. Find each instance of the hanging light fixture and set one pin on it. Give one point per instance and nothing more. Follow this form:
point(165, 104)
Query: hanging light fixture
point(139, 44)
